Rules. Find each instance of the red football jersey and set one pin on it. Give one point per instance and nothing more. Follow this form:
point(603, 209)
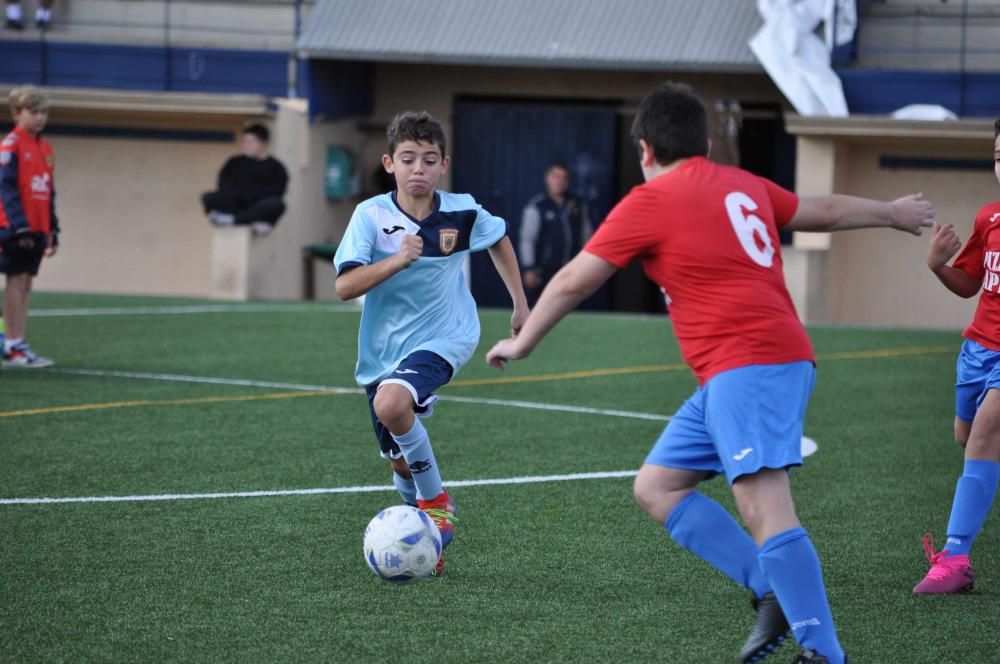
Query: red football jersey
point(26, 188)
point(707, 234)
point(980, 259)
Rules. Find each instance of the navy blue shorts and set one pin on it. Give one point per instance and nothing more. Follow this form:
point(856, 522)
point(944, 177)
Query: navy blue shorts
point(421, 372)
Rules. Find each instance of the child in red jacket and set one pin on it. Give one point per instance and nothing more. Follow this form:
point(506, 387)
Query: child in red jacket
point(29, 229)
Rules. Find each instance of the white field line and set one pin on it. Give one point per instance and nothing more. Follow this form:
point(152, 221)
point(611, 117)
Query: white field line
point(310, 492)
point(176, 310)
point(562, 408)
point(211, 380)
point(808, 445)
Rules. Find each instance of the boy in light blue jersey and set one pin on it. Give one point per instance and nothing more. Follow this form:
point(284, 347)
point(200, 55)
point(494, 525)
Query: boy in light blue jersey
point(404, 251)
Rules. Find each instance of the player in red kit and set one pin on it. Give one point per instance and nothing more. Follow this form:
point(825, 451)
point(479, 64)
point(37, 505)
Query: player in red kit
point(708, 235)
point(29, 228)
point(976, 271)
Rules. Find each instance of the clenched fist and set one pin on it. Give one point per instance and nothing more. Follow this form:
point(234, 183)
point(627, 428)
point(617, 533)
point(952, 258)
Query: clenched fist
point(410, 250)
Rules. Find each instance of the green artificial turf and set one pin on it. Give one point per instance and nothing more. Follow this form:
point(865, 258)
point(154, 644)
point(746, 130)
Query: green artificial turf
point(568, 571)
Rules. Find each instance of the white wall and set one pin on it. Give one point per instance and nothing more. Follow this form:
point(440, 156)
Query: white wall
point(130, 216)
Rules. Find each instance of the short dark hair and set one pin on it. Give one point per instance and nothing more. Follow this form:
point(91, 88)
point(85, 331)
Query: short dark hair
point(258, 130)
point(672, 120)
point(419, 126)
point(558, 164)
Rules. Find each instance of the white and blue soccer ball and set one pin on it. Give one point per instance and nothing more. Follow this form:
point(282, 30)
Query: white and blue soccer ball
point(402, 544)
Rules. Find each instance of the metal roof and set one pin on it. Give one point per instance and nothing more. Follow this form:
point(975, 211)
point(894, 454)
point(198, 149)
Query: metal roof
point(698, 35)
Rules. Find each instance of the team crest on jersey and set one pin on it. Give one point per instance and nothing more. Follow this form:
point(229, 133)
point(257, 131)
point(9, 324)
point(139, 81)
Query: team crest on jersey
point(448, 239)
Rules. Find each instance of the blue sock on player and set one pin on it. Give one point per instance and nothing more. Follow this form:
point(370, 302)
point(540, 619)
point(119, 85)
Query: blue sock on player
point(974, 494)
point(791, 565)
point(415, 445)
point(407, 489)
point(706, 529)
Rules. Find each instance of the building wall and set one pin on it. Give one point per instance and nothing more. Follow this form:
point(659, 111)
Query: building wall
point(879, 277)
point(130, 216)
point(130, 170)
point(277, 266)
point(130, 207)
point(882, 277)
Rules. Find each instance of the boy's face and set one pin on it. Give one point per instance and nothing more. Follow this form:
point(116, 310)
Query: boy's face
point(996, 157)
point(251, 146)
point(417, 167)
point(32, 120)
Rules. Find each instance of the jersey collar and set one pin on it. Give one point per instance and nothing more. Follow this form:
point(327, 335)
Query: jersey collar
point(434, 211)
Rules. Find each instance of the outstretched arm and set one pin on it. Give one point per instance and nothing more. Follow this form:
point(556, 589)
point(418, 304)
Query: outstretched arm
point(505, 261)
point(571, 285)
point(836, 212)
point(944, 244)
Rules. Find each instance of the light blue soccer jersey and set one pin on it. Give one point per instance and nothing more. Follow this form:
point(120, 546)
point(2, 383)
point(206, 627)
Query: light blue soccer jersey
point(427, 306)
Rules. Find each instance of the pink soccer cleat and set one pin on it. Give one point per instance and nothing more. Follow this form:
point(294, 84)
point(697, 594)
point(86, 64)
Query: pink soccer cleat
point(947, 575)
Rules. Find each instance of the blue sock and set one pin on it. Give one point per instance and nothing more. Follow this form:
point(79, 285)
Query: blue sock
point(704, 528)
point(974, 495)
point(791, 565)
point(407, 489)
point(415, 445)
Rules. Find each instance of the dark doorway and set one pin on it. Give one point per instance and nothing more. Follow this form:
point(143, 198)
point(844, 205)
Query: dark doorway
point(766, 149)
point(630, 289)
point(502, 148)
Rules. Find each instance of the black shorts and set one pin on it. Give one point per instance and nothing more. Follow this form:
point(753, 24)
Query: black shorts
point(15, 260)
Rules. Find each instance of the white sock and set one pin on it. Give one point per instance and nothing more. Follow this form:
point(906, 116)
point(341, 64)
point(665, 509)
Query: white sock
point(222, 218)
point(13, 12)
point(43, 15)
point(10, 342)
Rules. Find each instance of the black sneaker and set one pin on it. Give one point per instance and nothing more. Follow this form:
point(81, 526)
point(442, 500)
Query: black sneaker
point(769, 631)
point(807, 656)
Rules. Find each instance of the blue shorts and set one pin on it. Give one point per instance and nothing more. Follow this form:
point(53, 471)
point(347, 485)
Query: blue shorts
point(977, 371)
point(740, 421)
point(421, 372)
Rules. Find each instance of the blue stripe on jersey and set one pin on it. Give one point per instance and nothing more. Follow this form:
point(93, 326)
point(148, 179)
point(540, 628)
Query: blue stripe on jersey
point(428, 305)
point(346, 264)
point(10, 194)
point(444, 231)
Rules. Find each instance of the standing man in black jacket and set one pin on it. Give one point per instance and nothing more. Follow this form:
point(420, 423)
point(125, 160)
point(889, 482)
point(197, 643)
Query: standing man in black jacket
point(251, 186)
point(554, 227)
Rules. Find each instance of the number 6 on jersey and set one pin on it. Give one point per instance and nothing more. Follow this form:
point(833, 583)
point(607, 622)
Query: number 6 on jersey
point(750, 230)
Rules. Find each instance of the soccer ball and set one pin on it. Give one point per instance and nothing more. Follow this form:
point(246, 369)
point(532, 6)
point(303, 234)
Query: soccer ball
point(402, 544)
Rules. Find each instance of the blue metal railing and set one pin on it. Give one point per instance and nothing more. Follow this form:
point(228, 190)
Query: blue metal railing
point(919, 73)
point(136, 54)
